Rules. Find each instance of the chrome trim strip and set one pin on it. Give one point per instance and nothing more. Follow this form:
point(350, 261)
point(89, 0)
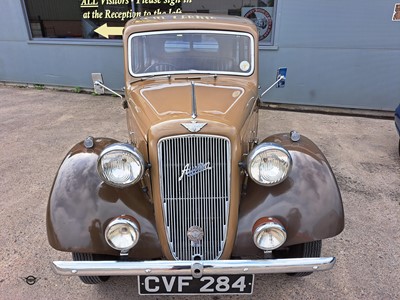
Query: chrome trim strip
point(209, 267)
point(194, 104)
point(252, 49)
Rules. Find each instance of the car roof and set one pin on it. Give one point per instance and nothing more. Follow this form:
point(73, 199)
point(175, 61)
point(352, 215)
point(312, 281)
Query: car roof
point(190, 21)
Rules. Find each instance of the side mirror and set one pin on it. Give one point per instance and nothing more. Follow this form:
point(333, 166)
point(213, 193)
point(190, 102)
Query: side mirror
point(280, 80)
point(96, 78)
point(99, 87)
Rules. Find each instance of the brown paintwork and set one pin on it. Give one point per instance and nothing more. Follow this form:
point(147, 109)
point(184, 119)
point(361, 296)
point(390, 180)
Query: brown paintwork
point(228, 104)
point(308, 203)
point(81, 206)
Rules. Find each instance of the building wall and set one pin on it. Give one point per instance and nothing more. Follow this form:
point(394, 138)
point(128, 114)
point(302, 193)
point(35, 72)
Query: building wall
point(338, 53)
point(55, 62)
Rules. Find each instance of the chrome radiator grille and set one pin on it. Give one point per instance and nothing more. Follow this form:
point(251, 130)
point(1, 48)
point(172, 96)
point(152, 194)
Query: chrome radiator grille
point(195, 188)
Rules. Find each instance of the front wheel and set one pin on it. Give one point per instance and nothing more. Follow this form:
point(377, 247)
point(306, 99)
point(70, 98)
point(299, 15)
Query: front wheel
point(90, 257)
point(310, 249)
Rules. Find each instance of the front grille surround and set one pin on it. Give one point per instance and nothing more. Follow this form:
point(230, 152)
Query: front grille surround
point(195, 176)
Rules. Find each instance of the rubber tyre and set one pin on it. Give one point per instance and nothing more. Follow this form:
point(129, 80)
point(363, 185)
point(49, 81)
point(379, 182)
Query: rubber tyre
point(90, 257)
point(311, 249)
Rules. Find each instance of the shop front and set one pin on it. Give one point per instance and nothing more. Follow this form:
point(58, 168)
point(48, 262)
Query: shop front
point(337, 54)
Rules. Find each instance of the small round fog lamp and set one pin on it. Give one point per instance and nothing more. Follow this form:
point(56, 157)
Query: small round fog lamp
point(268, 234)
point(122, 233)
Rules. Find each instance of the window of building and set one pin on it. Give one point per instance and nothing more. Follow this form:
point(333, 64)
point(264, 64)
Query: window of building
point(104, 19)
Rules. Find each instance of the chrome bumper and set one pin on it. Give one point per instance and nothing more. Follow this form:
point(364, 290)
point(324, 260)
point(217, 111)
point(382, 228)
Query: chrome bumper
point(194, 268)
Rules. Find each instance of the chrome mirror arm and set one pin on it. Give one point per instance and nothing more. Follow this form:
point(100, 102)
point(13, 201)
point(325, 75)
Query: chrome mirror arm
point(280, 78)
point(98, 83)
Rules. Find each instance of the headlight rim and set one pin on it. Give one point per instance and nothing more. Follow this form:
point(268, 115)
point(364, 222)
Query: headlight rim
point(121, 147)
point(263, 147)
point(267, 224)
point(127, 220)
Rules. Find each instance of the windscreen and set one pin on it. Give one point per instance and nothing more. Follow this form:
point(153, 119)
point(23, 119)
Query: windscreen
point(178, 52)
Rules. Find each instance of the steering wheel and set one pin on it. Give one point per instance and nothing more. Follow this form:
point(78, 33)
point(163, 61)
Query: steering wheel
point(159, 67)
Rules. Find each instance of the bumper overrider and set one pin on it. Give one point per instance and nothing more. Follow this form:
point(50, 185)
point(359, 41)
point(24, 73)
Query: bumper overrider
point(194, 268)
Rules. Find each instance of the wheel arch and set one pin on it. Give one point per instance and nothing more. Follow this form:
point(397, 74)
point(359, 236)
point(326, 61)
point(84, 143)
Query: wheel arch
point(308, 203)
point(81, 205)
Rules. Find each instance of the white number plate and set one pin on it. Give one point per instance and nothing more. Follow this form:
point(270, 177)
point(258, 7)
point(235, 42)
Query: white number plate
point(214, 284)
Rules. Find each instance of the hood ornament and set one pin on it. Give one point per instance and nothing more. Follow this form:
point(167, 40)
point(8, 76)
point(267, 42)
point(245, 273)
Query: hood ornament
point(193, 126)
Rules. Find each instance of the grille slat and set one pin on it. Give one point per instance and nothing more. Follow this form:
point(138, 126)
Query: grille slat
point(195, 187)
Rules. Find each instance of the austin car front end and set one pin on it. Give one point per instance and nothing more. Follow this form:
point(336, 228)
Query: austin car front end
point(195, 201)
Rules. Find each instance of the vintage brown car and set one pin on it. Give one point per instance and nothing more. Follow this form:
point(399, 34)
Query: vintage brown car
point(196, 201)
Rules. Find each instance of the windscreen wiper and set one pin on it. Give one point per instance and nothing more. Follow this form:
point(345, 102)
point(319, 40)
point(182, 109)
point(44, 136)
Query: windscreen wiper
point(151, 77)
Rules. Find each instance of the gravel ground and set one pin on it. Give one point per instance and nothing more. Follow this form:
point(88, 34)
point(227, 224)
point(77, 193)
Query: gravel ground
point(39, 126)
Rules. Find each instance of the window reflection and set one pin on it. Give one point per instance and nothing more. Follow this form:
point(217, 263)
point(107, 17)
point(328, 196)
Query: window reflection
point(82, 18)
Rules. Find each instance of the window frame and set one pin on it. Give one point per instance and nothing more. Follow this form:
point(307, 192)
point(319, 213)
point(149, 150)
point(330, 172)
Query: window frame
point(173, 31)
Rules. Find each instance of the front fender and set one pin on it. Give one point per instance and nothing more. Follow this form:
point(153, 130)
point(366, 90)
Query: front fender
point(81, 205)
point(308, 203)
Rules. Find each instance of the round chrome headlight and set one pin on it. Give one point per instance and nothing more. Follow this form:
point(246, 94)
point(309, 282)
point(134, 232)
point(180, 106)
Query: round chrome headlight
point(269, 235)
point(269, 164)
point(120, 165)
point(122, 233)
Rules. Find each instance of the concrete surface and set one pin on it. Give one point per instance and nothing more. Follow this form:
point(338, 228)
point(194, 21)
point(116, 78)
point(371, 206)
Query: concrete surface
point(39, 126)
